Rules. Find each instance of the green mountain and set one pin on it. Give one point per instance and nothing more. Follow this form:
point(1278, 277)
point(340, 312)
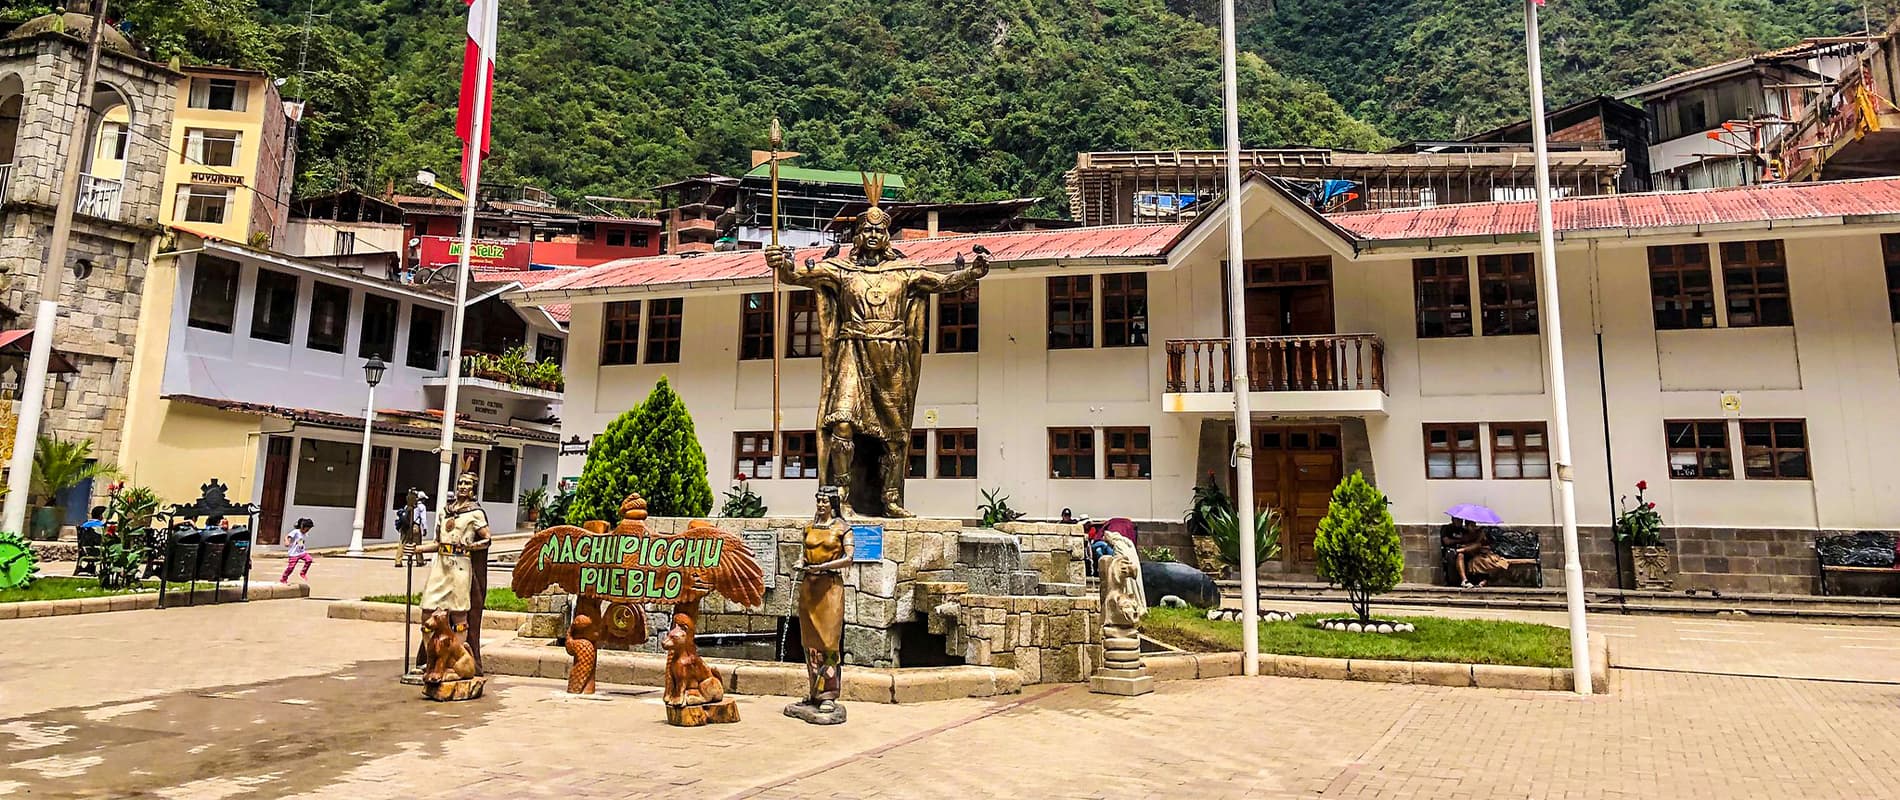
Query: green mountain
point(1425, 69)
point(969, 99)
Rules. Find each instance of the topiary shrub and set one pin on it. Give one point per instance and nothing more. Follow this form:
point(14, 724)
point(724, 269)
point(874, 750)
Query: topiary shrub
point(1357, 545)
point(651, 450)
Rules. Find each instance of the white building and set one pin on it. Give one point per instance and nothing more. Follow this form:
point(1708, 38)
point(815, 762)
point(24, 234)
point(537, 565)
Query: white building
point(249, 369)
point(1735, 348)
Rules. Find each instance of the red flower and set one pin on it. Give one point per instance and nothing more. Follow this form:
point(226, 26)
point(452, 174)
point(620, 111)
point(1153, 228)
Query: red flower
point(743, 478)
point(1642, 486)
point(1651, 506)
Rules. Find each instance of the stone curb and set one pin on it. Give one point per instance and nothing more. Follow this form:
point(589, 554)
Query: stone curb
point(392, 612)
point(861, 684)
point(228, 593)
point(1194, 666)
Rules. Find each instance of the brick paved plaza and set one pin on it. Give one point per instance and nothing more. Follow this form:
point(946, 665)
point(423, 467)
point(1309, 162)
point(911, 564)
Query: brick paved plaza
point(272, 699)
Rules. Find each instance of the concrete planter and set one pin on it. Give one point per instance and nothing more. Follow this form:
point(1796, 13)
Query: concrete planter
point(1651, 565)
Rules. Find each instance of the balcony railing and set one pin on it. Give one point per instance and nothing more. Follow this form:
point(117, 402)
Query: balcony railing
point(99, 197)
point(1331, 363)
point(6, 179)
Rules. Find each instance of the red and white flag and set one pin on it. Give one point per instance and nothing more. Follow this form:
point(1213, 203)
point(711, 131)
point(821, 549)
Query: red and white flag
point(478, 73)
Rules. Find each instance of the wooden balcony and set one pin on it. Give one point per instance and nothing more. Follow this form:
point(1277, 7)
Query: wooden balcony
point(1330, 374)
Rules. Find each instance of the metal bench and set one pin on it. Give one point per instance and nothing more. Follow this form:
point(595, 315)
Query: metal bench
point(1523, 548)
point(1866, 552)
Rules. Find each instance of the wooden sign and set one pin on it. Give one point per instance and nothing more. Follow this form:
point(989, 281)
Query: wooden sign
point(638, 567)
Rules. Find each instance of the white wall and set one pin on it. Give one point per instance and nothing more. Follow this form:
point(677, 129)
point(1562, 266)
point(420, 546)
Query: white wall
point(235, 366)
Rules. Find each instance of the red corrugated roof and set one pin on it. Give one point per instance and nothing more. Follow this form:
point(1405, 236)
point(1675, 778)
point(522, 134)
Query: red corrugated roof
point(525, 277)
point(1655, 210)
point(1125, 241)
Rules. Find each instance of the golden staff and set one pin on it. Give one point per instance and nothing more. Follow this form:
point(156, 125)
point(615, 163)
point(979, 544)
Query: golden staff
point(774, 139)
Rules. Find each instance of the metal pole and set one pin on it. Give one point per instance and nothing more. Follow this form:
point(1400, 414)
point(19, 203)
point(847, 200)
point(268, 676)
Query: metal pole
point(450, 394)
point(52, 280)
point(778, 351)
point(1237, 325)
point(362, 476)
point(1564, 474)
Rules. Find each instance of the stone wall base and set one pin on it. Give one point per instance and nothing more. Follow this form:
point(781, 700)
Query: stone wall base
point(1729, 560)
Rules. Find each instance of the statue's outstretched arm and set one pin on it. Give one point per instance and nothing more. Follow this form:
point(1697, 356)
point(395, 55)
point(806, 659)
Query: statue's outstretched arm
point(958, 279)
point(812, 275)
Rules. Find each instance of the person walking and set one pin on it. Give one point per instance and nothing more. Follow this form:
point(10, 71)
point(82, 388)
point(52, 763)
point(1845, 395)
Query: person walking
point(298, 552)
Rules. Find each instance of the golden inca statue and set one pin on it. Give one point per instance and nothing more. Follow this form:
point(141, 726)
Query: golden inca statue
point(872, 305)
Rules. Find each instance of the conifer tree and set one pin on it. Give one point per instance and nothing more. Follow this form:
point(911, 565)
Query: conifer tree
point(1357, 545)
point(652, 450)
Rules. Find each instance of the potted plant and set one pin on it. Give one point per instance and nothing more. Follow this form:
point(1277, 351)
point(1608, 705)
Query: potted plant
point(742, 502)
point(129, 513)
point(1639, 528)
point(995, 510)
point(532, 500)
point(58, 466)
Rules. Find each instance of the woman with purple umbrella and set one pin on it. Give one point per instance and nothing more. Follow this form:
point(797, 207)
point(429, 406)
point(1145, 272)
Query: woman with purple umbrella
point(1475, 555)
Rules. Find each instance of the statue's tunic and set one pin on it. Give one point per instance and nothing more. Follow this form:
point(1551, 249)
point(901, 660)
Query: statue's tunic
point(452, 576)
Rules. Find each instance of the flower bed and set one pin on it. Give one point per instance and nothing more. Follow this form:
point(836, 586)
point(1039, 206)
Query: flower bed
point(1464, 641)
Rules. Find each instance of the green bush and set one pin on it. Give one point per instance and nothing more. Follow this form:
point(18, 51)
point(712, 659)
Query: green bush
point(1208, 498)
point(130, 512)
point(650, 450)
point(995, 510)
point(1357, 545)
point(1224, 525)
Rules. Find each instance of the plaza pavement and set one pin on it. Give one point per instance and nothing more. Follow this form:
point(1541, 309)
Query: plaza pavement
point(273, 699)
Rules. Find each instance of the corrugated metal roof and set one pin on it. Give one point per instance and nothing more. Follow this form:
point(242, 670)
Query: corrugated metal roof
point(1125, 241)
point(1654, 210)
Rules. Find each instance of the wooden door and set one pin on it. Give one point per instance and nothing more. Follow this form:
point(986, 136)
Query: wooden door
point(1309, 310)
point(1295, 470)
point(377, 505)
point(1266, 312)
point(270, 521)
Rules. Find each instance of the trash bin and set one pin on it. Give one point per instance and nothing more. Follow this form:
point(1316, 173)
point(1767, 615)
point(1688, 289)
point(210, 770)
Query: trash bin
point(181, 556)
point(237, 555)
point(211, 558)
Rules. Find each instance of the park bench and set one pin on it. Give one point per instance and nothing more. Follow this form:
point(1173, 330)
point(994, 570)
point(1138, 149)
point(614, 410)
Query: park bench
point(91, 551)
point(1865, 552)
point(1523, 548)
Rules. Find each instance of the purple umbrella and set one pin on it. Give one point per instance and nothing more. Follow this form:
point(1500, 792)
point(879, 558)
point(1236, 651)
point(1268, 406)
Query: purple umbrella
point(1475, 513)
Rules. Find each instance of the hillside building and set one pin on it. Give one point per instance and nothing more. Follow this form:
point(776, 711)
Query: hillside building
point(231, 161)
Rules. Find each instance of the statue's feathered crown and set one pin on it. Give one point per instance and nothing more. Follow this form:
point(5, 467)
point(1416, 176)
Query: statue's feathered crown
point(873, 192)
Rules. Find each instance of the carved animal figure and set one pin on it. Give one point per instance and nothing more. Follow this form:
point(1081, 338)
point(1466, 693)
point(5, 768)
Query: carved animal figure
point(580, 676)
point(447, 648)
point(689, 682)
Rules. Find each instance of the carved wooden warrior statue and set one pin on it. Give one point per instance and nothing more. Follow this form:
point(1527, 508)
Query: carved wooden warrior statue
point(871, 323)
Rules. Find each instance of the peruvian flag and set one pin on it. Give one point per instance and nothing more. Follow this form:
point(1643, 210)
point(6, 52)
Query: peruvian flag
point(478, 74)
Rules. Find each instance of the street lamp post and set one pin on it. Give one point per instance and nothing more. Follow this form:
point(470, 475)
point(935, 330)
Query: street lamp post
point(372, 375)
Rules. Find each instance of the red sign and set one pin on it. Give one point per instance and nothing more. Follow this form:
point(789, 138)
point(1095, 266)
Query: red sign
point(488, 253)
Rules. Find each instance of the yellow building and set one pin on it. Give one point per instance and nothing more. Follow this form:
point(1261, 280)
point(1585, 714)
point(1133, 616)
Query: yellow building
point(230, 161)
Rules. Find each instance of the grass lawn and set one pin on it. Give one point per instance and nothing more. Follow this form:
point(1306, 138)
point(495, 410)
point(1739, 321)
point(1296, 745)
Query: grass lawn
point(500, 598)
point(66, 588)
point(1464, 641)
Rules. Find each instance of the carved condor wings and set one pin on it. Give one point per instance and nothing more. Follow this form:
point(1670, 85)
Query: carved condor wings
point(630, 565)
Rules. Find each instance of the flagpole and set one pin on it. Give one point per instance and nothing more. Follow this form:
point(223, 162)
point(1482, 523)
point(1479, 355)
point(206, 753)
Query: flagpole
point(476, 129)
point(1564, 474)
point(1237, 315)
point(778, 352)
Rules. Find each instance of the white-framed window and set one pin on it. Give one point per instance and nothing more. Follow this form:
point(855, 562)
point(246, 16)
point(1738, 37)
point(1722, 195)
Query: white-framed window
point(113, 139)
point(209, 204)
point(213, 148)
point(218, 94)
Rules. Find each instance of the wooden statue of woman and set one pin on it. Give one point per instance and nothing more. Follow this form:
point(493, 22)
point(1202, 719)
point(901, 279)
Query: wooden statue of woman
point(458, 578)
point(827, 551)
